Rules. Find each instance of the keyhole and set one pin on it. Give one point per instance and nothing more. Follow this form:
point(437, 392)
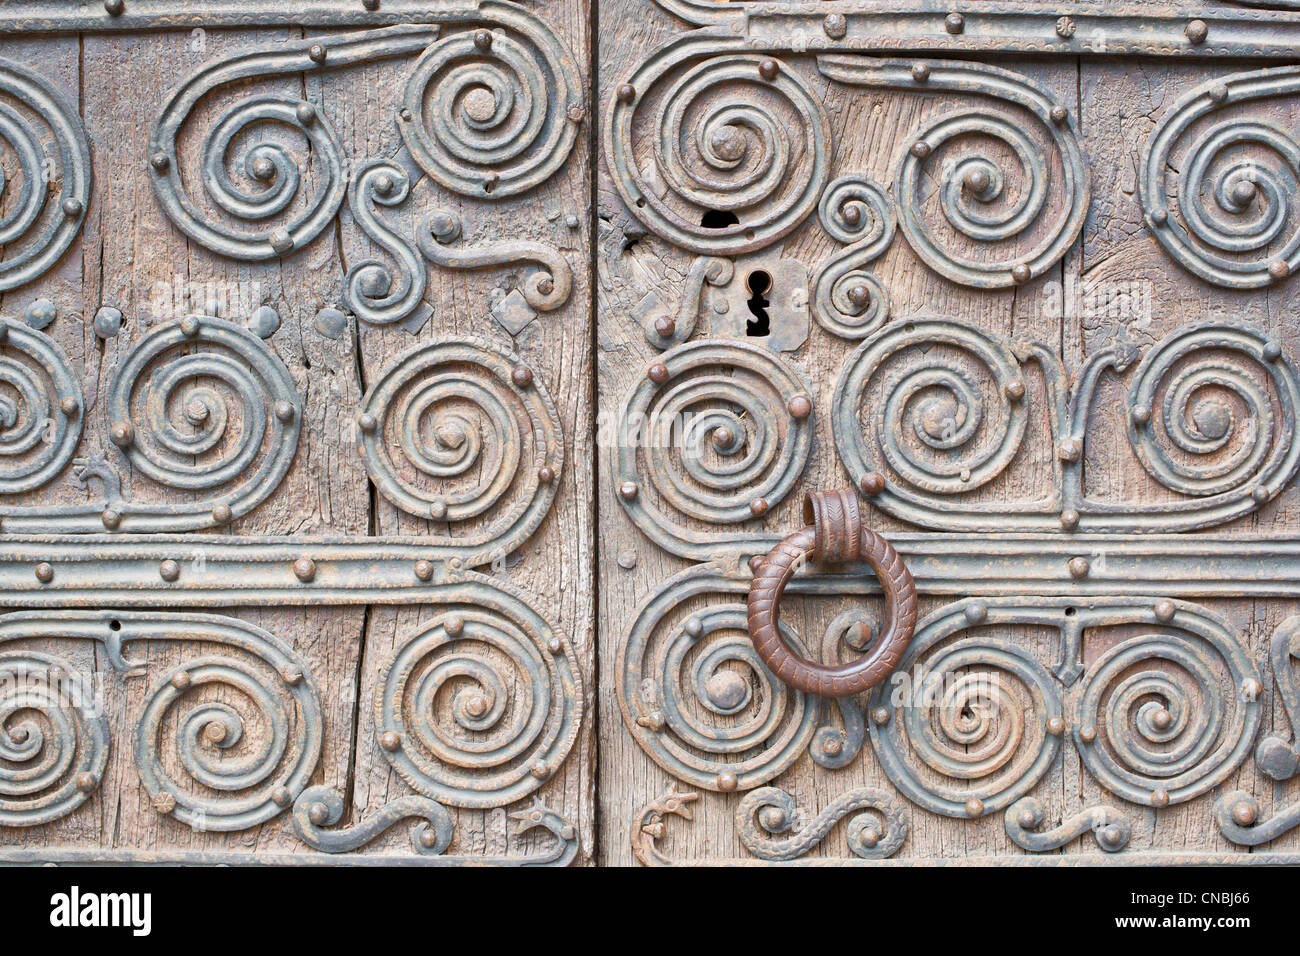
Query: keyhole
point(758, 283)
point(718, 219)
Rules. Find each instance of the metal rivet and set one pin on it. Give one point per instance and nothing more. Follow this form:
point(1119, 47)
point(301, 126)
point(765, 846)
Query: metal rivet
point(319, 814)
point(160, 162)
point(424, 570)
point(483, 39)
point(438, 509)
point(180, 680)
point(454, 626)
point(880, 716)
point(626, 93)
point(305, 569)
point(1065, 27)
point(539, 770)
point(1159, 798)
point(1021, 274)
point(1159, 217)
point(872, 483)
point(628, 490)
point(977, 613)
point(832, 746)
point(1014, 390)
point(317, 53)
point(920, 149)
point(367, 422)
point(522, 376)
point(221, 513)
point(1055, 726)
point(112, 519)
point(546, 474)
point(115, 8)
point(1278, 269)
point(799, 407)
point(555, 646)
point(1141, 414)
point(920, 72)
point(285, 412)
point(1272, 351)
point(693, 627)
point(859, 296)
point(1244, 813)
point(107, 322)
point(1069, 519)
point(281, 796)
point(1251, 689)
point(974, 807)
point(1219, 93)
point(169, 570)
point(1164, 610)
point(40, 314)
point(1197, 31)
point(1059, 114)
point(657, 373)
point(1070, 450)
point(835, 25)
point(546, 285)
point(758, 507)
point(390, 741)
point(72, 207)
point(264, 322)
point(44, 572)
point(1088, 734)
point(767, 69)
point(1260, 494)
point(576, 113)
point(1079, 567)
point(954, 23)
point(190, 326)
point(665, 327)
point(69, 406)
point(727, 781)
point(164, 802)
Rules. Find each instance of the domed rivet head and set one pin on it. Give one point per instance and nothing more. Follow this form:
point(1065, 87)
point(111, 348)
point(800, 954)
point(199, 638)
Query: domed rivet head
point(835, 25)
point(727, 781)
point(1069, 519)
point(555, 646)
point(1244, 813)
point(628, 490)
point(954, 23)
point(221, 513)
point(1164, 610)
point(454, 626)
point(164, 803)
point(72, 207)
point(665, 327)
point(285, 412)
point(872, 484)
point(1111, 837)
point(1021, 274)
point(307, 116)
point(1272, 351)
point(657, 373)
point(367, 423)
point(1079, 567)
point(920, 72)
point(115, 8)
point(438, 509)
point(1014, 390)
point(572, 221)
point(626, 93)
point(870, 837)
point(546, 285)
point(160, 162)
point(977, 613)
point(859, 296)
point(1260, 494)
point(832, 746)
point(263, 169)
point(977, 180)
point(851, 214)
point(40, 314)
point(107, 322)
point(1027, 819)
point(1159, 798)
point(1055, 726)
point(539, 770)
point(69, 406)
point(1219, 93)
point(799, 407)
point(546, 474)
point(693, 627)
point(1161, 719)
point(1088, 734)
point(1278, 269)
point(304, 569)
point(371, 5)
point(180, 680)
point(920, 149)
point(169, 570)
point(1070, 450)
point(1244, 192)
point(1159, 217)
point(758, 507)
point(86, 782)
point(45, 572)
point(1141, 414)
point(112, 519)
point(281, 796)
point(767, 69)
point(424, 570)
point(880, 716)
point(317, 53)
point(264, 322)
point(974, 807)
point(483, 39)
point(522, 376)
point(390, 740)
point(319, 814)
point(576, 112)
point(1197, 31)
point(1065, 27)
point(1251, 689)
point(1059, 115)
point(190, 326)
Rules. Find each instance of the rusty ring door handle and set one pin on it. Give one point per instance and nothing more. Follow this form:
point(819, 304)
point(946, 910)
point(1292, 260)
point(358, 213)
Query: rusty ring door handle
point(834, 534)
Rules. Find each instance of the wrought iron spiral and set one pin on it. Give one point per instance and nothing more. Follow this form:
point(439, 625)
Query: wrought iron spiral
point(848, 300)
point(41, 408)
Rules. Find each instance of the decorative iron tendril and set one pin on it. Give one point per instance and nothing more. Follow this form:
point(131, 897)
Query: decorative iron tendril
point(481, 707)
point(704, 270)
point(876, 830)
point(199, 405)
point(1200, 391)
point(273, 219)
point(35, 232)
point(971, 735)
point(720, 435)
point(319, 808)
point(493, 112)
point(1238, 225)
point(848, 300)
point(833, 747)
point(1277, 756)
point(368, 289)
point(41, 408)
point(545, 288)
point(725, 137)
point(1000, 210)
point(456, 430)
point(1025, 818)
point(700, 702)
point(1152, 720)
point(53, 740)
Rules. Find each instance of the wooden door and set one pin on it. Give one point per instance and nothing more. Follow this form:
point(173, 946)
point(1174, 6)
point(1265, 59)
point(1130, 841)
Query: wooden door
point(1022, 277)
point(296, 386)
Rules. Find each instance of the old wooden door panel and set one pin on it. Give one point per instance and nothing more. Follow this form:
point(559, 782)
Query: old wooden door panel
point(237, 668)
point(1051, 395)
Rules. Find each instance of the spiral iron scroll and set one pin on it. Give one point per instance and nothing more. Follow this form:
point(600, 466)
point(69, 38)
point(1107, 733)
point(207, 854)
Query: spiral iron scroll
point(848, 300)
point(41, 408)
point(480, 707)
point(877, 825)
point(36, 231)
point(460, 430)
